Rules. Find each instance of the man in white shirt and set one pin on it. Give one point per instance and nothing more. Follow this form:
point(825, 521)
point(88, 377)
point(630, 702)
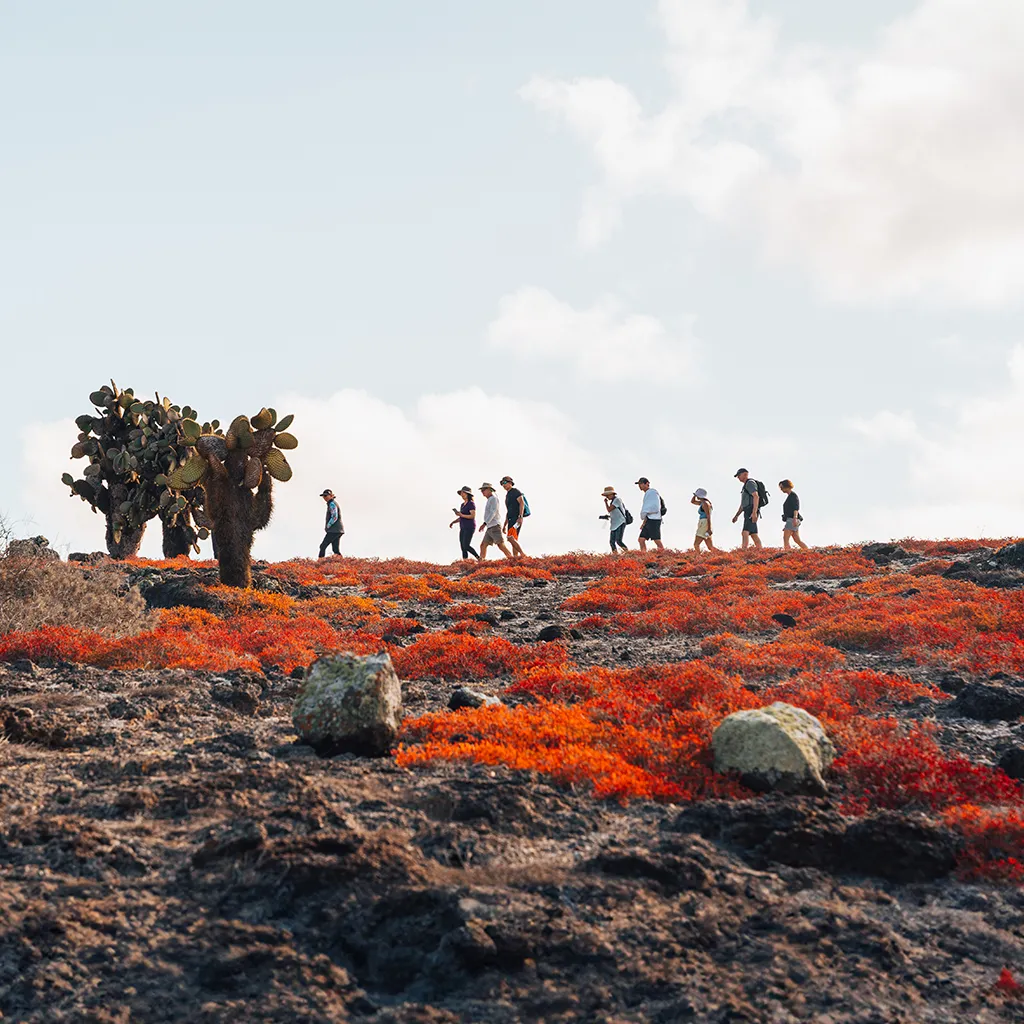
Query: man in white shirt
point(650, 515)
point(492, 523)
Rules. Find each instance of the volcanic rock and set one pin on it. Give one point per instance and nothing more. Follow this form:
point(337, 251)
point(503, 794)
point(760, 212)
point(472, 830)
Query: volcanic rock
point(1012, 762)
point(32, 547)
point(779, 747)
point(349, 704)
point(549, 633)
point(464, 698)
point(883, 554)
point(988, 703)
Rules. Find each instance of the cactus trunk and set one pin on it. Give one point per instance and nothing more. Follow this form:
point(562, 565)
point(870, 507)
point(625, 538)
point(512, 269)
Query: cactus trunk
point(178, 540)
point(127, 545)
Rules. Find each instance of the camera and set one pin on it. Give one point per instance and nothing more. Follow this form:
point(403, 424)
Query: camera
point(604, 517)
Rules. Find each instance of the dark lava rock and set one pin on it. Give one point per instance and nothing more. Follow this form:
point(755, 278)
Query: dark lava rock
point(811, 833)
point(298, 672)
point(1011, 556)
point(412, 614)
point(784, 620)
point(1012, 762)
point(951, 682)
point(883, 554)
point(549, 633)
point(179, 592)
point(242, 695)
point(464, 698)
point(539, 583)
point(508, 614)
point(489, 617)
point(89, 558)
point(987, 703)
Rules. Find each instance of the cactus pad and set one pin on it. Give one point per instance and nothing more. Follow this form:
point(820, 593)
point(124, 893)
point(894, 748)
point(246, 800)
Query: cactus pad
point(286, 441)
point(277, 465)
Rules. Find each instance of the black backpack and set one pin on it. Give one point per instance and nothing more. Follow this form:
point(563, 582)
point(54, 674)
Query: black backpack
point(628, 515)
point(664, 507)
point(762, 495)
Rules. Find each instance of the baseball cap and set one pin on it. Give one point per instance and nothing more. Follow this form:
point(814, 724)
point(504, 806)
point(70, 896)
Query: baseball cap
point(643, 480)
point(738, 471)
point(325, 492)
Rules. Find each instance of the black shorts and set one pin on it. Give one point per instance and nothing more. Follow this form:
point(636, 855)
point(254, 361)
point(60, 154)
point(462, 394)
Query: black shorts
point(749, 525)
point(651, 530)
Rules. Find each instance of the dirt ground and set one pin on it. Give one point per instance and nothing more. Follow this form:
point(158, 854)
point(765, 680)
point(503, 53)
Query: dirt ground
point(169, 853)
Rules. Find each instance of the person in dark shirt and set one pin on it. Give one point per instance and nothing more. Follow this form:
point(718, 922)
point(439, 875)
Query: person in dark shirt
point(333, 528)
point(515, 510)
point(791, 518)
point(465, 516)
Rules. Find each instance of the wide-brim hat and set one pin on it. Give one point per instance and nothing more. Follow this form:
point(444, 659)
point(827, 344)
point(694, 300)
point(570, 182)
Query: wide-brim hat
point(609, 490)
point(487, 487)
point(700, 493)
point(465, 490)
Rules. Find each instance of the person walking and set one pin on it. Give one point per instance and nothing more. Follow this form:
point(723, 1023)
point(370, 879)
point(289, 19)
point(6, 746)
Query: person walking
point(333, 528)
point(650, 515)
point(791, 518)
point(616, 515)
point(750, 504)
point(491, 528)
point(515, 512)
point(465, 516)
point(700, 499)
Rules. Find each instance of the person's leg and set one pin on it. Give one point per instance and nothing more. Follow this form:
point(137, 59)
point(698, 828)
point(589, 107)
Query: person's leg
point(503, 547)
point(658, 544)
point(796, 537)
point(746, 540)
point(336, 543)
point(786, 537)
point(643, 543)
point(484, 545)
point(756, 539)
point(513, 539)
point(622, 538)
point(323, 545)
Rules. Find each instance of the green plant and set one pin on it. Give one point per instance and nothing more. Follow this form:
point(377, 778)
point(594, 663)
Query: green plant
point(236, 473)
point(131, 446)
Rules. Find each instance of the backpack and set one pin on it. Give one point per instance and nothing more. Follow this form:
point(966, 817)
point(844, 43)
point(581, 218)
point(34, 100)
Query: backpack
point(629, 515)
point(762, 495)
point(526, 507)
point(664, 507)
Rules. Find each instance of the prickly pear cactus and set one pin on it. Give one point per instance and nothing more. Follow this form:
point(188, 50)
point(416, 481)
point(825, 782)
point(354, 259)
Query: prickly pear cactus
point(132, 445)
point(236, 471)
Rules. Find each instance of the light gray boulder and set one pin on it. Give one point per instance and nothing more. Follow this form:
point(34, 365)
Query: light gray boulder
point(349, 704)
point(777, 748)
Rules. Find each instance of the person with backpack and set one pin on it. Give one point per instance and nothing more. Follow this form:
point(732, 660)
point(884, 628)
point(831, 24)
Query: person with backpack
point(753, 498)
point(516, 510)
point(333, 528)
point(700, 499)
point(465, 516)
point(651, 514)
point(618, 516)
point(492, 524)
point(791, 518)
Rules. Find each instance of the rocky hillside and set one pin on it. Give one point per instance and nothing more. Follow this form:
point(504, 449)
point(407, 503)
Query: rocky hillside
point(170, 852)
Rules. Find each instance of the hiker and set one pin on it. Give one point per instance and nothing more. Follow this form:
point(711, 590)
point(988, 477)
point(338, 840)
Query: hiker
point(791, 518)
point(703, 536)
point(650, 515)
point(618, 518)
point(516, 510)
point(465, 516)
point(491, 528)
point(750, 508)
point(333, 528)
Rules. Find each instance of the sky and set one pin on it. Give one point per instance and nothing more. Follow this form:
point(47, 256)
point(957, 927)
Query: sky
point(575, 242)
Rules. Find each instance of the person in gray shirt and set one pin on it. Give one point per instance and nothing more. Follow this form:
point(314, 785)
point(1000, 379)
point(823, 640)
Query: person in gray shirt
point(616, 516)
point(749, 504)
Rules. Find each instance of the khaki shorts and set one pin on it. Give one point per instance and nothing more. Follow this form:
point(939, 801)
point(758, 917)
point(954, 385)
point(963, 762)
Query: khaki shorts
point(702, 529)
point(494, 535)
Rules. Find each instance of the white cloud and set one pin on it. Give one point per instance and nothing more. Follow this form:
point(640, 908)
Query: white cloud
point(602, 342)
point(885, 427)
point(892, 172)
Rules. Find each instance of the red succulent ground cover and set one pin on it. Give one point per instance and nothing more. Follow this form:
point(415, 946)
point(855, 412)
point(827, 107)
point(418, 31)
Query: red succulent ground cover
point(641, 732)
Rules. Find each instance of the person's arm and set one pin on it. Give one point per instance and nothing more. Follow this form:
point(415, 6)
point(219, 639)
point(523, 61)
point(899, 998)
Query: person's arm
point(707, 508)
point(755, 500)
point(522, 508)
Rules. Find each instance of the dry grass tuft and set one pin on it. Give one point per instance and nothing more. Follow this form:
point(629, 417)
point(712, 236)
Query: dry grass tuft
point(38, 592)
